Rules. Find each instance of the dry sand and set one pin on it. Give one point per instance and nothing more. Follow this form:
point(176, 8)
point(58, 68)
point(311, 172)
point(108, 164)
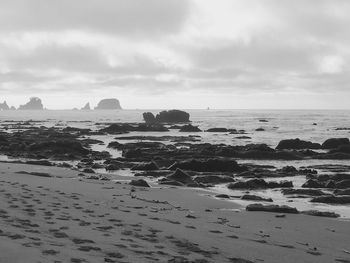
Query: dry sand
point(64, 219)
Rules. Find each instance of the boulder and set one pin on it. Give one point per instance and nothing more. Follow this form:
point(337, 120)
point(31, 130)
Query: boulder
point(190, 128)
point(343, 184)
point(272, 208)
point(342, 191)
point(139, 182)
point(225, 196)
point(213, 179)
point(258, 183)
point(312, 183)
point(334, 143)
point(108, 104)
point(255, 198)
point(296, 144)
point(345, 148)
point(180, 176)
point(119, 128)
point(320, 213)
point(33, 104)
point(331, 199)
point(146, 166)
point(308, 192)
point(149, 117)
point(172, 116)
point(217, 130)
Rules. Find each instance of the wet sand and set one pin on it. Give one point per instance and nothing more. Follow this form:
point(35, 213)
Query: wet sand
point(66, 219)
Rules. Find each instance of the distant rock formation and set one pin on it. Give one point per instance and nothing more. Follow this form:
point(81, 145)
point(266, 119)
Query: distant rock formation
point(86, 107)
point(4, 106)
point(171, 116)
point(108, 104)
point(33, 104)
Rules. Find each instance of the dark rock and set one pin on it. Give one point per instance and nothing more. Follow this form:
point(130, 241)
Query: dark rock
point(334, 143)
point(320, 213)
point(88, 171)
point(33, 104)
point(139, 182)
point(149, 117)
point(217, 130)
point(257, 183)
point(209, 165)
point(297, 144)
point(343, 184)
point(342, 191)
point(308, 192)
point(146, 166)
point(289, 169)
point(331, 199)
point(119, 128)
point(172, 116)
point(312, 183)
point(243, 137)
point(213, 179)
point(342, 149)
point(223, 196)
point(272, 208)
point(180, 176)
point(39, 162)
point(260, 129)
point(171, 182)
point(108, 104)
point(255, 198)
point(190, 128)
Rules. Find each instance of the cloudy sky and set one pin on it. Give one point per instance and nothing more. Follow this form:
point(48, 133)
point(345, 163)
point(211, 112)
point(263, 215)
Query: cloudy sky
point(176, 53)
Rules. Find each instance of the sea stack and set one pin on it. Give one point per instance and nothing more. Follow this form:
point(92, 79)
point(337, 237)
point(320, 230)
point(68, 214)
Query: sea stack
point(108, 104)
point(4, 106)
point(33, 104)
point(86, 107)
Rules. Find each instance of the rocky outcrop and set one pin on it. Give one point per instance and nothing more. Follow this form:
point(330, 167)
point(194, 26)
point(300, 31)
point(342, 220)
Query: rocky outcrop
point(86, 107)
point(139, 183)
point(331, 199)
point(272, 208)
point(33, 104)
point(170, 116)
point(149, 117)
point(108, 104)
point(258, 183)
point(334, 143)
point(297, 144)
point(190, 128)
point(209, 165)
point(120, 128)
point(4, 106)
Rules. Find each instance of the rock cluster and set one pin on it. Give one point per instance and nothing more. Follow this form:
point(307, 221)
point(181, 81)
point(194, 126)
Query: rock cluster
point(33, 104)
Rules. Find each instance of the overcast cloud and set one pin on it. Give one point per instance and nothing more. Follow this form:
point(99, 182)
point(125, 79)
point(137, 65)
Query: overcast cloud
point(176, 53)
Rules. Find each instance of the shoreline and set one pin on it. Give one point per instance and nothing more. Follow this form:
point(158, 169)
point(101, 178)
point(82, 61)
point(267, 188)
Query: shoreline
point(149, 224)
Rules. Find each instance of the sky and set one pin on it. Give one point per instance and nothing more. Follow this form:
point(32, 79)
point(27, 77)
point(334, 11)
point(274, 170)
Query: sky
point(224, 54)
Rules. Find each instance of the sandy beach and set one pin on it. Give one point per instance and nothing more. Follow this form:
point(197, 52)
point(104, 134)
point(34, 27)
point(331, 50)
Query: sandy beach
point(66, 219)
